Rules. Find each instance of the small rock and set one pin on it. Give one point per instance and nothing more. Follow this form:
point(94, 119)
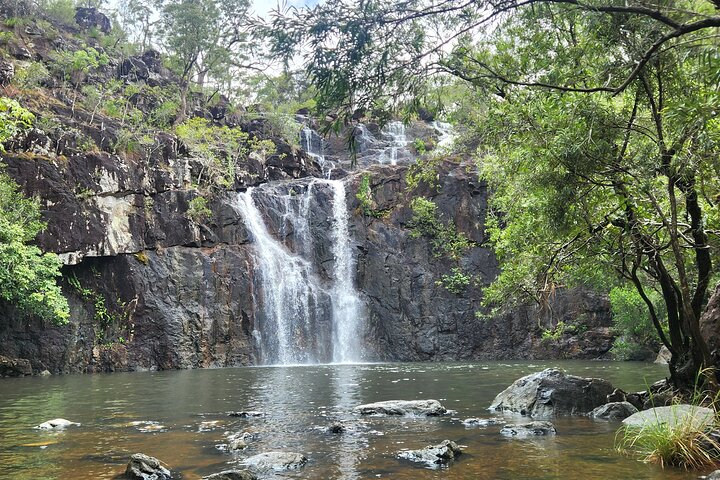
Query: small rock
point(532, 429)
point(618, 395)
point(336, 428)
point(428, 408)
point(246, 414)
point(713, 475)
point(276, 461)
point(434, 454)
point(45, 373)
point(232, 475)
point(56, 424)
point(553, 392)
point(699, 417)
point(482, 422)
point(613, 411)
point(145, 467)
point(240, 441)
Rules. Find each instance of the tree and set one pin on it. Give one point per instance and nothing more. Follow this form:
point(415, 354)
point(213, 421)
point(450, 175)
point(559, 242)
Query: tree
point(205, 40)
point(27, 276)
point(596, 126)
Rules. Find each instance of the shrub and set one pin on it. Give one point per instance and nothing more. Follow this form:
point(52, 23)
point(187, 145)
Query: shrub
point(444, 239)
point(364, 194)
point(33, 75)
point(456, 282)
point(632, 321)
point(60, 10)
point(198, 210)
point(14, 119)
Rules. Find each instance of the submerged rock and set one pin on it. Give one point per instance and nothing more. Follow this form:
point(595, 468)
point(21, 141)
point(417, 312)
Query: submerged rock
point(57, 424)
point(336, 428)
point(428, 408)
point(532, 429)
point(240, 441)
point(440, 454)
point(613, 411)
point(145, 467)
point(553, 392)
point(276, 461)
point(482, 422)
point(232, 475)
point(248, 414)
point(694, 416)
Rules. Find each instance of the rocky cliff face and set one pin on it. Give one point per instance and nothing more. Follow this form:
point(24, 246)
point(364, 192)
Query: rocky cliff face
point(151, 288)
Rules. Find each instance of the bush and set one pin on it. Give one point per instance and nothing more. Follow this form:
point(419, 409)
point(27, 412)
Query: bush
point(198, 210)
point(60, 10)
point(456, 282)
point(444, 239)
point(32, 76)
point(14, 119)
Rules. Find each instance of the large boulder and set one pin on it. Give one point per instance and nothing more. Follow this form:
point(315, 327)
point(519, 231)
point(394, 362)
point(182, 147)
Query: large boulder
point(276, 461)
point(427, 408)
point(553, 392)
point(614, 411)
point(14, 367)
point(145, 467)
point(440, 454)
point(90, 17)
point(531, 429)
point(691, 415)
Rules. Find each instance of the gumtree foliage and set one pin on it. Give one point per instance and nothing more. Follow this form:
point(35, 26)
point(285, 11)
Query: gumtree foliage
point(611, 183)
point(363, 53)
point(206, 40)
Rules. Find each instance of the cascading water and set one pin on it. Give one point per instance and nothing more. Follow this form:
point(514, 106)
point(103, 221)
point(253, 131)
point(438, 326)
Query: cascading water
point(398, 142)
point(303, 318)
point(313, 145)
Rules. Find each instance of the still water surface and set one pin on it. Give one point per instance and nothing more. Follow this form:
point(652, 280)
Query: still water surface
point(190, 410)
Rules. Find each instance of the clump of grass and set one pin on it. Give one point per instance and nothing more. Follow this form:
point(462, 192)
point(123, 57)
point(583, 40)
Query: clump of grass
point(686, 443)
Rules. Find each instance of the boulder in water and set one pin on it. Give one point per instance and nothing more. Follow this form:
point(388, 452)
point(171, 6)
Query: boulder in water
point(276, 461)
point(145, 467)
point(232, 475)
point(613, 411)
point(698, 417)
point(246, 414)
point(433, 455)
point(428, 408)
point(553, 392)
point(56, 424)
point(531, 429)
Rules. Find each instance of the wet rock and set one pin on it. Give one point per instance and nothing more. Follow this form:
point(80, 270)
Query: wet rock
point(57, 424)
point(145, 467)
point(240, 441)
point(92, 18)
point(614, 411)
point(618, 395)
point(232, 475)
point(249, 414)
point(663, 356)
point(428, 408)
point(697, 417)
point(7, 72)
point(45, 373)
point(531, 429)
point(712, 475)
point(336, 428)
point(14, 367)
point(659, 399)
point(553, 392)
point(440, 454)
point(482, 422)
point(276, 461)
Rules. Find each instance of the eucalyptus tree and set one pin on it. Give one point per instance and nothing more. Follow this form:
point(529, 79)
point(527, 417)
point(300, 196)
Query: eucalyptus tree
point(596, 123)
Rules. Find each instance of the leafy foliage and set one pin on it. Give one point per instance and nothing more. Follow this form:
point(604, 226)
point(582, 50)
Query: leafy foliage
point(27, 276)
point(14, 119)
point(444, 239)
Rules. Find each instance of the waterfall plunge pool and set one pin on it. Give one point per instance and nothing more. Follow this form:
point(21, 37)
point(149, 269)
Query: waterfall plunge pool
point(181, 417)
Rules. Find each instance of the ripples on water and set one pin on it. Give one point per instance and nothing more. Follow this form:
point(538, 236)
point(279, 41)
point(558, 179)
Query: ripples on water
point(181, 418)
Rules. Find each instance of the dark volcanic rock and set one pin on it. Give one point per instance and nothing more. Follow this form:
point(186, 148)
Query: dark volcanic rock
point(14, 367)
point(427, 408)
point(613, 411)
point(7, 72)
point(552, 392)
point(440, 454)
point(144, 467)
point(90, 17)
point(232, 475)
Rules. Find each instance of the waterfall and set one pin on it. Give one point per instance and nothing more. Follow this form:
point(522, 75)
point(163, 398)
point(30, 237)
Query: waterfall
point(398, 142)
point(313, 145)
point(301, 316)
point(346, 304)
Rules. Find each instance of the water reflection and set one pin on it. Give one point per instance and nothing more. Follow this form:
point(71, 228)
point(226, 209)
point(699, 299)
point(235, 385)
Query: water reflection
point(180, 417)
